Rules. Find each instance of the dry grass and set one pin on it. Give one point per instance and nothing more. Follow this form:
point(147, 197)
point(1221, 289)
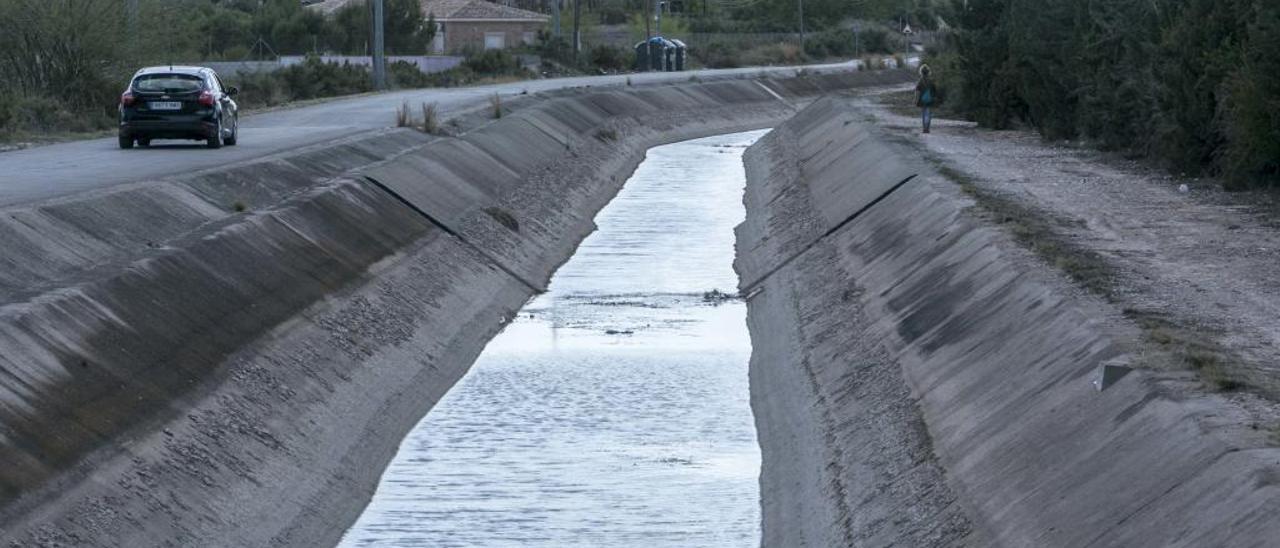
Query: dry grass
point(607, 134)
point(1177, 345)
point(495, 103)
point(404, 118)
point(1035, 230)
point(430, 118)
point(1190, 349)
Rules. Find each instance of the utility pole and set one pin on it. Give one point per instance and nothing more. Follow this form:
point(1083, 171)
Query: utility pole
point(555, 15)
point(379, 61)
point(800, 7)
point(577, 36)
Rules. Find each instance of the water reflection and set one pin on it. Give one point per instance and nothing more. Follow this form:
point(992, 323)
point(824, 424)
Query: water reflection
point(614, 411)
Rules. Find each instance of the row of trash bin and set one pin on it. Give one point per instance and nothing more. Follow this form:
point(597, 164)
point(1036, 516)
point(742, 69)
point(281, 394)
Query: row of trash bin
point(660, 54)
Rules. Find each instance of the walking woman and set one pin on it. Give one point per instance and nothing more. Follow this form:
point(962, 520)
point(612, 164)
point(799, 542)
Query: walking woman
point(926, 94)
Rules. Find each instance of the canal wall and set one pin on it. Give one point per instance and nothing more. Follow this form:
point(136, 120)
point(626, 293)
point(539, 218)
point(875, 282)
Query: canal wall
point(915, 384)
point(230, 358)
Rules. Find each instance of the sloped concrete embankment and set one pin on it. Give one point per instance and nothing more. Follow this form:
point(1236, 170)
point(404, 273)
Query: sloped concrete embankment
point(913, 385)
point(231, 358)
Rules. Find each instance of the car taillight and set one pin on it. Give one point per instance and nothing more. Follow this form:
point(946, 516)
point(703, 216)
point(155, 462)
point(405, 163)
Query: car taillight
point(127, 99)
point(206, 99)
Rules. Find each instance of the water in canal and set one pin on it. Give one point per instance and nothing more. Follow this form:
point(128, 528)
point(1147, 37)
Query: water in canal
point(615, 410)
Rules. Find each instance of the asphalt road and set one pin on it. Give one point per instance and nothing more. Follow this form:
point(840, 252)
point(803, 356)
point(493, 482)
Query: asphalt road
point(58, 170)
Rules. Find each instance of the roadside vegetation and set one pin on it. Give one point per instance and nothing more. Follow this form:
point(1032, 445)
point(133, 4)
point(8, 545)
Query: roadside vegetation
point(1190, 84)
point(66, 62)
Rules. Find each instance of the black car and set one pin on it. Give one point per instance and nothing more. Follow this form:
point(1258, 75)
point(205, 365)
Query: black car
point(178, 103)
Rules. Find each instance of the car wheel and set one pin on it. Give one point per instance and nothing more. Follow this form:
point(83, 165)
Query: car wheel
point(235, 132)
point(126, 142)
point(215, 140)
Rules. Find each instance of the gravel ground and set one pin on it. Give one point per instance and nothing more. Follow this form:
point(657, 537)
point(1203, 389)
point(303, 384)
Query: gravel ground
point(1193, 266)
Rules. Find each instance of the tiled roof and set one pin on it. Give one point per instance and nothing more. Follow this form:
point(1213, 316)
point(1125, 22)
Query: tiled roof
point(446, 10)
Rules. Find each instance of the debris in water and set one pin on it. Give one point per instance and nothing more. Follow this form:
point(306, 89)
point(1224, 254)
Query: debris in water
point(619, 332)
point(716, 296)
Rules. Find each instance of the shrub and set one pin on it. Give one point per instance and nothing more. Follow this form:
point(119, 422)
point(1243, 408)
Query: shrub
point(831, 43)
point(314, 78)
point(407, 75)
point(780, 53)
point(31, 114)
point(610, 58)
point(717, 54)
point(259, 89)
point(493, 62)
point(874, 40)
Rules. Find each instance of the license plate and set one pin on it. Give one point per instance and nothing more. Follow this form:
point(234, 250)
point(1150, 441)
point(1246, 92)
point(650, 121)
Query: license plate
point(165, 105)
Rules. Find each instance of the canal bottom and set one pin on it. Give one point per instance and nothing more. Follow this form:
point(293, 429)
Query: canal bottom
point(614, 411)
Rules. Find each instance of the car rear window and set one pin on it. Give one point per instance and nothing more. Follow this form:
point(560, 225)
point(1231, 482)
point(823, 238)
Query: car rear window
point(176, 83)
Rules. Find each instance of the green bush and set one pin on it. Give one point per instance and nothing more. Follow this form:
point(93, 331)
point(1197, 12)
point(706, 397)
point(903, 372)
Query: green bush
point(311, 79)
point(725, 55)
point(610, 58)
point(24, 115)
point(874, 40)
point(717, 54)
point(259, 89)
point(829, 43)
point(314, 78)
point(493, 62)
point(407, 75)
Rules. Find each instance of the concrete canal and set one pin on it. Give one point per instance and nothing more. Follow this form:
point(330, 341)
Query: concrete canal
point(615, 410)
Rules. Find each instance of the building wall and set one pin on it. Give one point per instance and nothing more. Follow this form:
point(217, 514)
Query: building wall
point(471, 35)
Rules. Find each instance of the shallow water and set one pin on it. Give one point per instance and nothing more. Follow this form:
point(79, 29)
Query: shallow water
point(614, 411)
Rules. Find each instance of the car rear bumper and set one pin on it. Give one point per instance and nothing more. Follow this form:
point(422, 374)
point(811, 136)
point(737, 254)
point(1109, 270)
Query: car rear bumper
point(192, 127)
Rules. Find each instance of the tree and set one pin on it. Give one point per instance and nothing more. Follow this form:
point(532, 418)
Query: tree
point(1252, 151)
point(61, 48)
point(406, 31)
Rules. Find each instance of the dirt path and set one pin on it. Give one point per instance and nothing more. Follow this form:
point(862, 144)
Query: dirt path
point(1195, 267)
